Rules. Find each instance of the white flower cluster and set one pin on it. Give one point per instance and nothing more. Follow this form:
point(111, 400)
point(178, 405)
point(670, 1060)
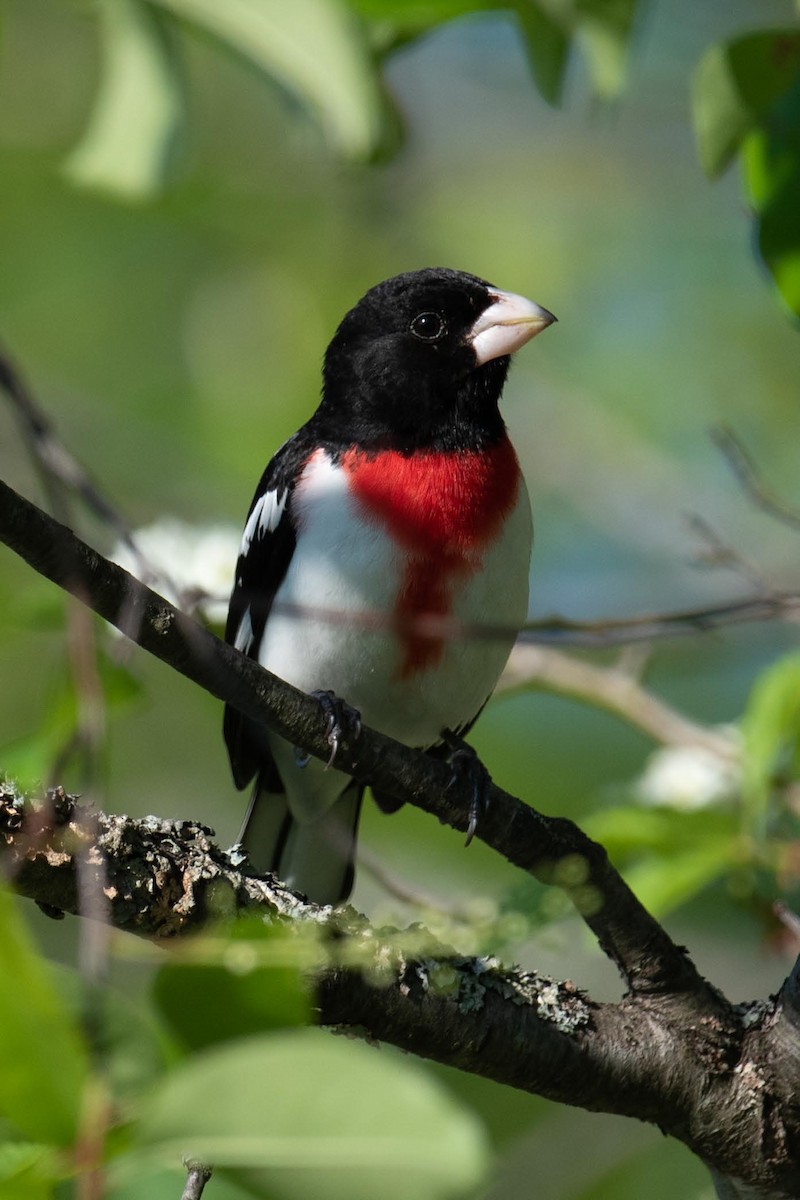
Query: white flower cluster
point(191, 565)
point(688, 778)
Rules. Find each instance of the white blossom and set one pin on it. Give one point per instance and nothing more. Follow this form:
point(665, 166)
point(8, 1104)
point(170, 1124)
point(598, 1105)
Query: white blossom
point(192, 566)
point(688, 778)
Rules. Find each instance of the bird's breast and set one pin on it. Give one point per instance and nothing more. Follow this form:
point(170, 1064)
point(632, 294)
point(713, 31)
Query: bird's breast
point(383, 597)
point(442, 510)
point(436, 504)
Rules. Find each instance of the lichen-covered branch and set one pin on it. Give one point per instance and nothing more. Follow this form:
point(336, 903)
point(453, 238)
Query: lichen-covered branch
point(724, 1084)
point(550, 848)
point(674, 1052)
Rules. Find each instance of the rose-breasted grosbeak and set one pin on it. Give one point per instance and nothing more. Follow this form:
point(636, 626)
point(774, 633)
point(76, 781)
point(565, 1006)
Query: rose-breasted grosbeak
point(400, 499)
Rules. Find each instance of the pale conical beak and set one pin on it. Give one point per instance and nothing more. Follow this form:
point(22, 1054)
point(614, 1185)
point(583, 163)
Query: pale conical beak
point(508, 323)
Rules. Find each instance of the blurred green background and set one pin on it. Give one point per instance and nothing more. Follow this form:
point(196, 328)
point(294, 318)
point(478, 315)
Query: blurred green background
point(176, 342)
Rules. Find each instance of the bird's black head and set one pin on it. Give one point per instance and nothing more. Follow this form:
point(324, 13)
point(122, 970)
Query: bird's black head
point(420, 363)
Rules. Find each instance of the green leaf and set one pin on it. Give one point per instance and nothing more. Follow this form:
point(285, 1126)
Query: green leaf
point(315, 48)
point(138, 117)
point(668, 855)
point(779, 240)
point(34, 607)
point(247, 986)
point(631, 829)
point(663, 884)
point(771, 732)
point(28, 759)
point(547, 44)
point(604, 28)
point(307, 1116)
point(735, 86)
point(771, 167)
point(548, 27)
point(126, 1034)
point(746, 97)
point(393, 23)
point(28, 1171)
point(45, 1066)
point(421, 14)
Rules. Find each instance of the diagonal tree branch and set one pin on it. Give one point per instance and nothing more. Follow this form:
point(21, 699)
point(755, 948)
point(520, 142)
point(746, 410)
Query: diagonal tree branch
point(57, 463)
point(550, 848)
point(653, 1057)
point(164, 878)
point(673, 1052)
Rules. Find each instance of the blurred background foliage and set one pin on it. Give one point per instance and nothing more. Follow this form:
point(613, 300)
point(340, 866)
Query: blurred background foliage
point(193, 194)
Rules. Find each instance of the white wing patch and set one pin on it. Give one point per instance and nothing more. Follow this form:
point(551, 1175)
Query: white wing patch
point(264, 518)
point(244, 634)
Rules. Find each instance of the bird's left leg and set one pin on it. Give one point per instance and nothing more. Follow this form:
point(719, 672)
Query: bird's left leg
point(465, 765)
point(343, 721)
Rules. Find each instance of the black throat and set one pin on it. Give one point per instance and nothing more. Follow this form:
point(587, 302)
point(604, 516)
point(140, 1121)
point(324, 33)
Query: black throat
point(408, 411)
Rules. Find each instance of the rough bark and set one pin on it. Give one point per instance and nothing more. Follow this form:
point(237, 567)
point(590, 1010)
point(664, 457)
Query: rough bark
point(720, 1078)
point(674, 1052)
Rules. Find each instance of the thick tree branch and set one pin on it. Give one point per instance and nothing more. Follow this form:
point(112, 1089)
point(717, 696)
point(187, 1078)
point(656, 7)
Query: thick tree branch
point(674, 1052)
point(710, 1080)
point(551, 849)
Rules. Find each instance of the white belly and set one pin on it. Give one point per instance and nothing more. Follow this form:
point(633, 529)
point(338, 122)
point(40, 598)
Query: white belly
point(350, 570)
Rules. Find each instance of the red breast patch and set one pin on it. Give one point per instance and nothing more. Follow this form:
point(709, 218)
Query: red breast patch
point(443, 509)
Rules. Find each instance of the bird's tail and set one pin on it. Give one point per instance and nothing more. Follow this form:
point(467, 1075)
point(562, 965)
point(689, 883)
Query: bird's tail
point(315, 857)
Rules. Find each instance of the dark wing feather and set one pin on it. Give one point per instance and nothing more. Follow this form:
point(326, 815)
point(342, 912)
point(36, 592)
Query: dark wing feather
point(267, 547)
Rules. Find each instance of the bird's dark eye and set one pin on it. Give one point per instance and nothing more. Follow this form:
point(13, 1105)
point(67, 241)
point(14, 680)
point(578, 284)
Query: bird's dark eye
point(428, 326)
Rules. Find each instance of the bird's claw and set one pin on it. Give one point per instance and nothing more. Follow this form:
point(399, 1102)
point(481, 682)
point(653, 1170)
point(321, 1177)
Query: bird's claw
point(465, 764)
point(342, 721)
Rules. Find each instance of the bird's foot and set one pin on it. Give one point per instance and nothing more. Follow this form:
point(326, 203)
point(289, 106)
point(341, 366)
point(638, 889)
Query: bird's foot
point(467, 767)
point(343, 721)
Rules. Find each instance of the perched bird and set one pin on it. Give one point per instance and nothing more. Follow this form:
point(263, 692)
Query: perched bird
point(401, 499)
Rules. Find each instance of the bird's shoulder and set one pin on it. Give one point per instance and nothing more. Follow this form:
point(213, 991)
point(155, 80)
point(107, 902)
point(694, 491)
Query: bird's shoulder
point(268, 543)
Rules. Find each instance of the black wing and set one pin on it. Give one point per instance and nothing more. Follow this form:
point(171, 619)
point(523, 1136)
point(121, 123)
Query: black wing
point(267, 547)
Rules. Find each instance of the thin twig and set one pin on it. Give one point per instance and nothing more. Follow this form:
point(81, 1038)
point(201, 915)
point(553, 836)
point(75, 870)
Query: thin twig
point(719, 553)
point(196, 1181)
point(601, 634)
point(612, 689)
point(620, 631)
point(62, 477)
point(787, 917)
point(62, 472)
point(744, 469)
point(54, 456)
point(406, 893)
